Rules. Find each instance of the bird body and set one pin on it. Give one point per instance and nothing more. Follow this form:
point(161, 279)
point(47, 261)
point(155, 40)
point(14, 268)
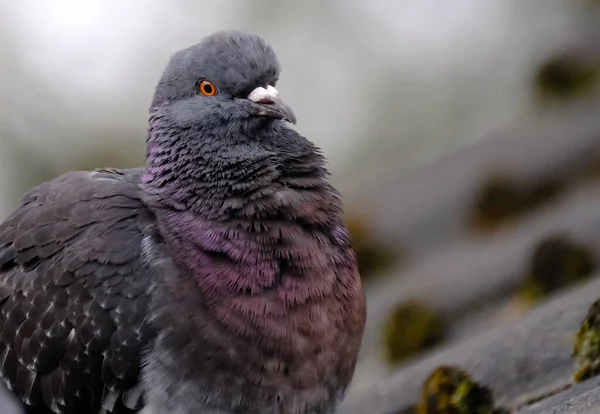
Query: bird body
point(219, 278)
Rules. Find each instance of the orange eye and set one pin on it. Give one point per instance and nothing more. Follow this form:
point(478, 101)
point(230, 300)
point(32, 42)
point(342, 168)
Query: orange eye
point(207, 88)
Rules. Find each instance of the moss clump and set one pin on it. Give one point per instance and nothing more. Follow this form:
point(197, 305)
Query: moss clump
point(556, 262)
point(499, 200)
point(543, 191)
point(587, 345)
point(449, 390)
point(372, 257)
point(408, 410)
point(412, 327)
point(502, 200)
point(563, 78)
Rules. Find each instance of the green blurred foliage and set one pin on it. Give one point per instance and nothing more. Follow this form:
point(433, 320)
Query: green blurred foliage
point(556, 262)
point(565, 78)
point(502, 200)
point(450, 390)
point(107, 157)
point(412, 327)
point(587, 345)
point(44, 169)
point(373, 257)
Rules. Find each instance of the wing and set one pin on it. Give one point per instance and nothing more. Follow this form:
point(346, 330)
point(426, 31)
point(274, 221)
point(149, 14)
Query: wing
point(74, 294)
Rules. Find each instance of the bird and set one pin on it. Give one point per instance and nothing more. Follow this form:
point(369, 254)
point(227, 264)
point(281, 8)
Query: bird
point(217, 278)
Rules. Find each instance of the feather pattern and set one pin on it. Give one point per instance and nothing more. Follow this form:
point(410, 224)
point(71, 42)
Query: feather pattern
point(74, 294)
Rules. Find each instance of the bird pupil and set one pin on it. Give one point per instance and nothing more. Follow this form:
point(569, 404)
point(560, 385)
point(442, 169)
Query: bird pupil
point(207, 88)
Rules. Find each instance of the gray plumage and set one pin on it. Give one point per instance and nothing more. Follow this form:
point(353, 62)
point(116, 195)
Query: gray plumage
point(219, 278)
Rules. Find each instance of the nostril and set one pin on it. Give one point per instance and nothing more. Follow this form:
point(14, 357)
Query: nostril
point(265, 101)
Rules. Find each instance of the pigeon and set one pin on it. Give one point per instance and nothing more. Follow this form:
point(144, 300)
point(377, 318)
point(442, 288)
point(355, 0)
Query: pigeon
point(219, 278)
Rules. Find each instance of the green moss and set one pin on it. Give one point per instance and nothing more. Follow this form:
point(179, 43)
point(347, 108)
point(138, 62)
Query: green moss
point(412, 327)
point(449, 390)
point(587, 345)
point(372, 257)
point(408, 410)
point(556, 262)
point(499, 200)
point(503, 200)
point(563, 78)
point(543, 191)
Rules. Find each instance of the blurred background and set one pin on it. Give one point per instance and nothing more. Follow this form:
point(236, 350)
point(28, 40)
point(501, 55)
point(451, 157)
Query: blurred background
point(464, 135)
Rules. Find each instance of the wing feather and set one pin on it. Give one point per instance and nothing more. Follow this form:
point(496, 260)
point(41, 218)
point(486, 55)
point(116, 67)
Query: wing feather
point(74, 294)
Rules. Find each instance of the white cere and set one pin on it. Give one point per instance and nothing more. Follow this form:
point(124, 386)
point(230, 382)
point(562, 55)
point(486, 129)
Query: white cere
point(261, 94)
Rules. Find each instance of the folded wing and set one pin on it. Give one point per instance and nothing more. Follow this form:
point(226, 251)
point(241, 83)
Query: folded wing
point(74, 294)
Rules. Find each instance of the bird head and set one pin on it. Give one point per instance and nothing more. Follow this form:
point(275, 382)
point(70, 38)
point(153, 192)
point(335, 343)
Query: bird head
point(227, 78)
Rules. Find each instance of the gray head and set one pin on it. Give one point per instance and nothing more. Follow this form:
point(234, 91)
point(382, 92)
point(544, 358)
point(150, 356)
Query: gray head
point(227, 77)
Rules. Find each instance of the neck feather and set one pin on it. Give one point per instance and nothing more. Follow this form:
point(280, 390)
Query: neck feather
point(266, 284)
point(263, 204)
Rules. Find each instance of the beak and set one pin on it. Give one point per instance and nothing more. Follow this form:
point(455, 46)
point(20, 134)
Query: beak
point(269, 103)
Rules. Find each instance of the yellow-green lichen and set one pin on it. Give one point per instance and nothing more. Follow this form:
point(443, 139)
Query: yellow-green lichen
point(499, 200)
point(564, 78)
point(372, 257)
point(450, 390)
point(587, 345)
point(408, 410)
point(543, 191)
point(556, 262)
point(411, 327)
point(503, 200)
